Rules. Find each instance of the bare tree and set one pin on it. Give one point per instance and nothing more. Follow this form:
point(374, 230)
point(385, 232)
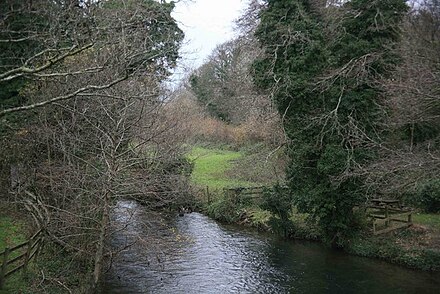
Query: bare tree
point(56, 32)
point(224, 87)
point(105, 136)
point(410, 154)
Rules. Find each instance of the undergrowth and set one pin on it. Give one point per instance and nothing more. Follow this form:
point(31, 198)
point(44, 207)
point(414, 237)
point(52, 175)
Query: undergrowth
point(52, 271)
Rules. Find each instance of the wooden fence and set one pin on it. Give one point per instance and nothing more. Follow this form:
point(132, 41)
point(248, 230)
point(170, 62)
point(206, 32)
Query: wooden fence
point(208, 195)
point(388, 215)
point(26, 251)
point(237, 194)
point(244, 193)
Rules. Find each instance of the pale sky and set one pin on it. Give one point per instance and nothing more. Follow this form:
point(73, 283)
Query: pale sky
point(206, 23)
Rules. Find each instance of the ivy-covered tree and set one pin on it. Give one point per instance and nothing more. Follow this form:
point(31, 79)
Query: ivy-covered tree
point(323, 79)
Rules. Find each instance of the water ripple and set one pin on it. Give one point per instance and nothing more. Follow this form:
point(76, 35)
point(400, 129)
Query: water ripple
point(194, 254)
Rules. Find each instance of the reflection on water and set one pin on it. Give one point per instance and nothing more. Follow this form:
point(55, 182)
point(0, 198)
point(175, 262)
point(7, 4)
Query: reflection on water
point(193, 254)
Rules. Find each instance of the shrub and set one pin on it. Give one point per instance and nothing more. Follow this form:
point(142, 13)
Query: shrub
point(278, 201)
point(224, 209)
point(428, 196)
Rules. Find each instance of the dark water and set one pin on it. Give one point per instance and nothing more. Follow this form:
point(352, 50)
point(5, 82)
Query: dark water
point(194, 254)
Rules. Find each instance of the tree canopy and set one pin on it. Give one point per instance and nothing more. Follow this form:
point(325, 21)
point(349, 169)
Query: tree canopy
point(321, 64)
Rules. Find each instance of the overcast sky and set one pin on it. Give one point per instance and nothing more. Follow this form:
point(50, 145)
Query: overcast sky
point(206, 24)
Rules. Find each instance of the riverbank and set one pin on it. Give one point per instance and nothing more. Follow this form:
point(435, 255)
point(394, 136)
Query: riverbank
point(195, 254)
point(53, 271)
point(13, 231)
point(417, 247)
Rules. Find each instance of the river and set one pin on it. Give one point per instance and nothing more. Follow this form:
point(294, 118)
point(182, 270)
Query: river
point(194, 254)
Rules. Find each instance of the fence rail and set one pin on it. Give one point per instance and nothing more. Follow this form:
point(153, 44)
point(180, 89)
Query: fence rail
point(236, 194)
point(26, 251)
point(388, 215)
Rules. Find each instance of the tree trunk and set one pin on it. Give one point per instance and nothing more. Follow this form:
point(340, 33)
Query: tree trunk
point(99, 256)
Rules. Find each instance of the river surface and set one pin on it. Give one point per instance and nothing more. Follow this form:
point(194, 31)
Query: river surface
point(194, 254)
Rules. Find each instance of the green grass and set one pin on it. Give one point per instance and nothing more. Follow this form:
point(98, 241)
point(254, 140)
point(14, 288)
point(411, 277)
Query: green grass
point(11, 234)
point(432, 220)
point(211, 165)
point(56, 264)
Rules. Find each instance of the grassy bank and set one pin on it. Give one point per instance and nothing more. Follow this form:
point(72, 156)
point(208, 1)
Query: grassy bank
point(417, 247)
point(218, 169)
point(12, 232)
point(52, 271)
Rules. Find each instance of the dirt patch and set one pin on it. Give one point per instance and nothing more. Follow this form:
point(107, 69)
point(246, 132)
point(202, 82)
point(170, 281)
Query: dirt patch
point(418, 236)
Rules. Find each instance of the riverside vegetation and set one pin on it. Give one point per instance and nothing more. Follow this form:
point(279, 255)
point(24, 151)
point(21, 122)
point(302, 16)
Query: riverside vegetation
point(351, 105)
point(83, 124)
point(326, 98)
point(216, 167)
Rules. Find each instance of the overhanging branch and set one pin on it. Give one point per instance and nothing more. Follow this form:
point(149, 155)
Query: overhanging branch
point(23, 70)
point(63, 97)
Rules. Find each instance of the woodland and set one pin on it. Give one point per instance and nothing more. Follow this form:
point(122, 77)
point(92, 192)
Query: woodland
point(341, 97)
point(349, 89)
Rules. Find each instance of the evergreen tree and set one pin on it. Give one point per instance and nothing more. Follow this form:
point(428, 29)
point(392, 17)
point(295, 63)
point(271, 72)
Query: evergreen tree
point(326, 90)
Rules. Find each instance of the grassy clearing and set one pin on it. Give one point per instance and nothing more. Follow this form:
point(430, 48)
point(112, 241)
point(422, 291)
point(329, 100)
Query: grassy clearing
point(425, 219)
point(211, 166)
point(218, 169)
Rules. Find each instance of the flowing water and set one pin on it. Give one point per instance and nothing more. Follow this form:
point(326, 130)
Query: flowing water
point(194, 254)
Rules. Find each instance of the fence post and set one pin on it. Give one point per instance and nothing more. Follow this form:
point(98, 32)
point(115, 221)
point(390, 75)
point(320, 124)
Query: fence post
point(26, 257)
point(4, 267)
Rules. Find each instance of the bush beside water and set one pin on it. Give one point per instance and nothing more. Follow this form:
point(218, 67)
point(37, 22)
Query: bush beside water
point(275, 213)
